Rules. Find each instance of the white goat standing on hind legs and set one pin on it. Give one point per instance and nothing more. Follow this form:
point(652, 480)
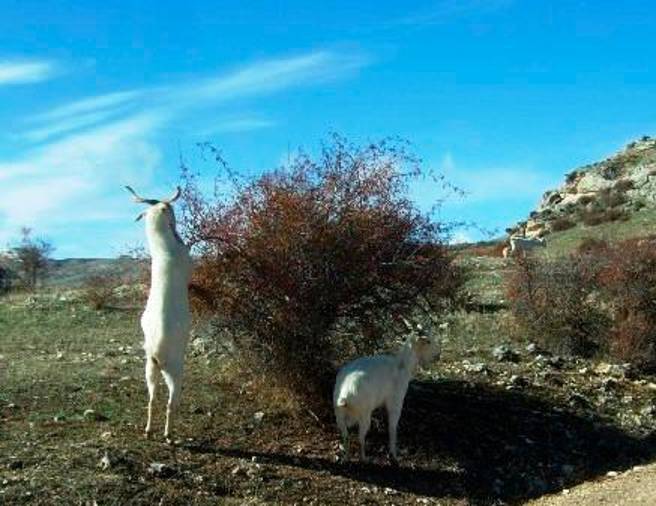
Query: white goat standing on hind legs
point(368, 383)
point(165, 321)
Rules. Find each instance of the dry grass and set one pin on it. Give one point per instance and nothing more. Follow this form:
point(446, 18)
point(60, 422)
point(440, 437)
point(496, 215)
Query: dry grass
point(462, 440)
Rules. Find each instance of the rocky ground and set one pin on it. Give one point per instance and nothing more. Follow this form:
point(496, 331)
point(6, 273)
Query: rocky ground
point(496, 421)
point(634, 487)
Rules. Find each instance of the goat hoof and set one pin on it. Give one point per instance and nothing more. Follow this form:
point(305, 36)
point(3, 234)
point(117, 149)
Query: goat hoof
point(147, 434)
point(394, 461)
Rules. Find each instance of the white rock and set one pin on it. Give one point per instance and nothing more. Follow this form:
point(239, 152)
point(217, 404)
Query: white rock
point(105, 463)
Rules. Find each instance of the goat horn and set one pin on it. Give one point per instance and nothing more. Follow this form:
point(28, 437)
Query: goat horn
point(139, 199)
point(175, 196)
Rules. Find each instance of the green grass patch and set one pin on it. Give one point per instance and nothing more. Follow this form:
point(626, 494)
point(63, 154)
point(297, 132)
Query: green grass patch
point(640, 223)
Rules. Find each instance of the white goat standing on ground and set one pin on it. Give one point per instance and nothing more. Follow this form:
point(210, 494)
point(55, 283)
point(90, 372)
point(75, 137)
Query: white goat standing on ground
point(381, 380)
point(523, 245)
point(165, 321)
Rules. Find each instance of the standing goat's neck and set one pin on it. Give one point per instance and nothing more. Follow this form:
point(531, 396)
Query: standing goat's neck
point(164, 242)
point(408, 361)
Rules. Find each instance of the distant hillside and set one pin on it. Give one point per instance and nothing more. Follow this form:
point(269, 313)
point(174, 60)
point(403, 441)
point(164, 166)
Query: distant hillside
point(614, 190)
point(73, 272)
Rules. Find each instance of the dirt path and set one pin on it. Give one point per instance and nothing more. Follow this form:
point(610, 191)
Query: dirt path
point(634, 487)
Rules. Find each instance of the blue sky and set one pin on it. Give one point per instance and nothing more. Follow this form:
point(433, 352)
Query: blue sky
point(503, 96)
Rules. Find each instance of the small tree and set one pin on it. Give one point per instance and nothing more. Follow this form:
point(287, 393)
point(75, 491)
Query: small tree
point(310, 264)
point(32, 257)
point(5, 279)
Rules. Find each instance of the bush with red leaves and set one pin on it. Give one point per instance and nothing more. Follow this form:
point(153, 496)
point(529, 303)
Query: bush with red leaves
point(553, 303)
point(314, 263)
point(628, 277)
point(600, 299)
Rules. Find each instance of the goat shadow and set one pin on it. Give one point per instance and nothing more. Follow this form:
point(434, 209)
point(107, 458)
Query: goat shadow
point(483, 443)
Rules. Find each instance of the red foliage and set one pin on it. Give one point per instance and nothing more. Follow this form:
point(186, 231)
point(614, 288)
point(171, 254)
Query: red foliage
point(600, 299)
point(308, 265)
point(487, 250)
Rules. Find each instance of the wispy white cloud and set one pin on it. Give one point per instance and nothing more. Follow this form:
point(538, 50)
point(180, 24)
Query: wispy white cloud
point(70, 181)
point(256, 79)
point(273, 75)
point(89, 105)
point(26, 71)
point(237, 125)
point(70, 124)
point(86, 149)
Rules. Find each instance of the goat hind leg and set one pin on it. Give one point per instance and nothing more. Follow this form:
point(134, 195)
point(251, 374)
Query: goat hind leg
point(152, 370)
point(173, 379)
point(340, 416)
point(363, 427)
point(393, 416)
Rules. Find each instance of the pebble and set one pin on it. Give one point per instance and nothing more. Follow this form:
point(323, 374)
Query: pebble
point(160, 469)
point(105, 463)
point(92, 414)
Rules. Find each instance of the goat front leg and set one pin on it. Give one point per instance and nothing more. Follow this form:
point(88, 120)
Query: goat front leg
point(393, 416)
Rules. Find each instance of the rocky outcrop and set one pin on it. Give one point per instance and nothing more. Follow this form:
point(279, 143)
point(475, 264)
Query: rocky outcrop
point(604, 191)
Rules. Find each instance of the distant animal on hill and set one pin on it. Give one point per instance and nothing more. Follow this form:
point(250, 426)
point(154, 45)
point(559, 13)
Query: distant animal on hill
point(520, 246)
point(166, 320)
point(381, 380)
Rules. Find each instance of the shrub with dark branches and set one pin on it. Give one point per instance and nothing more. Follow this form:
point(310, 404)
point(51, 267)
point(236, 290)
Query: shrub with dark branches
point(628, 277)
point(553, 302)
point(31, 256)
point(310, 264)
point(600, 299)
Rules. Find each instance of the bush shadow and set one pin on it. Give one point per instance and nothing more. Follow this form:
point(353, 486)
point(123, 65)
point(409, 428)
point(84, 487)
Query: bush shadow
point(482, 443)
point(512, 445)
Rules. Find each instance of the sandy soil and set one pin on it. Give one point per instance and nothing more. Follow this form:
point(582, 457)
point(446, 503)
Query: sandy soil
point(634, 487)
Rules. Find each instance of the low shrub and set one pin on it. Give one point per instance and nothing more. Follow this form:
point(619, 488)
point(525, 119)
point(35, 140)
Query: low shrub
point(6, 279)
point(591, 245)
point(623, 185)
point(615, 199)
point(311, 264)
point(593, 218)
point(617, 215)
point(99, 290)
point(560, 224)
point(486, 250)
point(597, 217)
point(551, 301)
point(586, 199)
point(598, 300)
point(571, 176)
